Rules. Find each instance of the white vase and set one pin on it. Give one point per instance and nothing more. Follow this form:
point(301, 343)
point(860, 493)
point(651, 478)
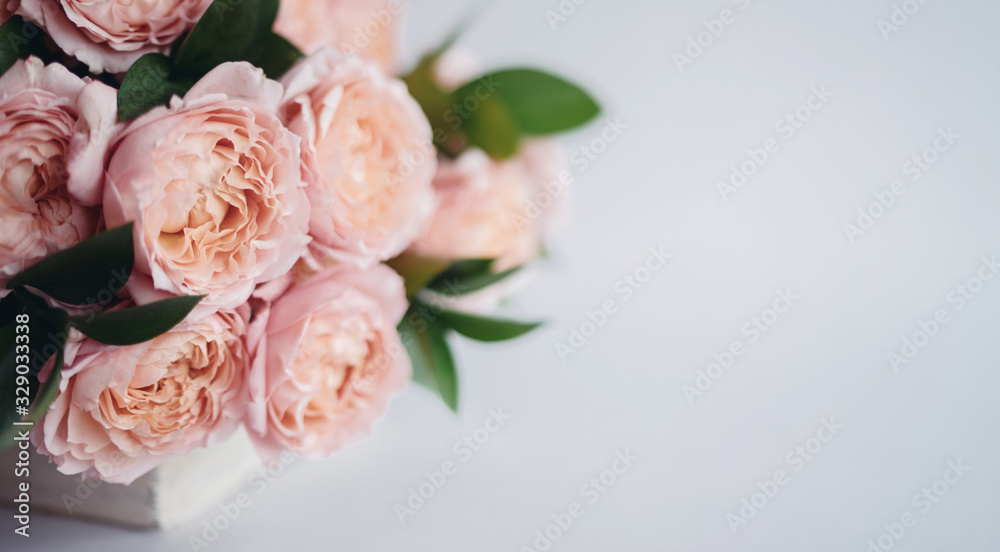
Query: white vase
point(178, 491)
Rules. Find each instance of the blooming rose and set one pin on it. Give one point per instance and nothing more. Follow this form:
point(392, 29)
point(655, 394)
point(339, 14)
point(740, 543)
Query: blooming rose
point(368, 28)
point(326, 361)
point(121, 411)
point(367, 154)
point(491, 209)
point(109, 35)
point(39, 109)
point(213, 185)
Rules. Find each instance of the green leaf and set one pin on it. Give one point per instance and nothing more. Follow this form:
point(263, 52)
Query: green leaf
point(491, 128)
point(417, 271)
point(537, 102)
point(90, 272)
point(277, 56)
point(433, 365)
point(135, 324)
point(485, 329)
point(10, 306)
point(18, 39)
point(229, 31)
point(467, 276)
point(46, 335)
point(57, 325)
point(436, 104)
point(147, 85)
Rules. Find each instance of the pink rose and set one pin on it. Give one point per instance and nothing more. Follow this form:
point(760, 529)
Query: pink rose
point(367, 155)
point(491, 209)
point(109, 35)
point(121, 411)
point(213, 185)
point(327, 358)
point(368, 28)
point(39, 109)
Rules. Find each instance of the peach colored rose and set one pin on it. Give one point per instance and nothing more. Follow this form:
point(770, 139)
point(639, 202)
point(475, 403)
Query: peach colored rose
point(491, 209)
point(368, 28)
point(327, 358)
point(39, 109)
point(213, 185)
point(109, 35)
point(368, 159)
point(121, 411)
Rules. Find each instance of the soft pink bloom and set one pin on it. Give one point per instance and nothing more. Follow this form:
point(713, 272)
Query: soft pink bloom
point(39, 109)
point(368, 159)
point(455, 67)
point(121, 411)
point(369, 28)
point(109, 35)
point(489, 209)
point(213, 185)
point(326, 360)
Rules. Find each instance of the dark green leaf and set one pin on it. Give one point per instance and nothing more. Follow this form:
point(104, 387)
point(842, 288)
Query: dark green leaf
point(467, 276)
point(231, 30)
point(135, 324)
point(417, 271)
point(10, 306)
point(433, 365)
point(436, 104)
point(537, 102)
point(277, 56)
point(46, 335)
point(491, 128)
point(485, 329)
point(147, 85)
point(92, 271)
point(18, 39)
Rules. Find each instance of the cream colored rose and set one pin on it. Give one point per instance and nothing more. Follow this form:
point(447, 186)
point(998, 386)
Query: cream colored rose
point(109, 35)
point(327, 362)
point(368, 28)
point(121, 411)
point(213, 185)
point(368, 159)
point(39, 110)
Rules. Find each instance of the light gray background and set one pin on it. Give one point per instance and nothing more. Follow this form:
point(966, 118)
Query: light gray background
point(655, 185)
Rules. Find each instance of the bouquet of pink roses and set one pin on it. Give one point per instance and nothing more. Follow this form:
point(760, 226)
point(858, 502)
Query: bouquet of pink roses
point(230, 212)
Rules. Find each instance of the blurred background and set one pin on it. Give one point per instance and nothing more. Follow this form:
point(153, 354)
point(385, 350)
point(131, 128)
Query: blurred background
point(815, 365)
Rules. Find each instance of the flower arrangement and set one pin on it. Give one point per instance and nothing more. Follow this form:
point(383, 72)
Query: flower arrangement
point(219, 213)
